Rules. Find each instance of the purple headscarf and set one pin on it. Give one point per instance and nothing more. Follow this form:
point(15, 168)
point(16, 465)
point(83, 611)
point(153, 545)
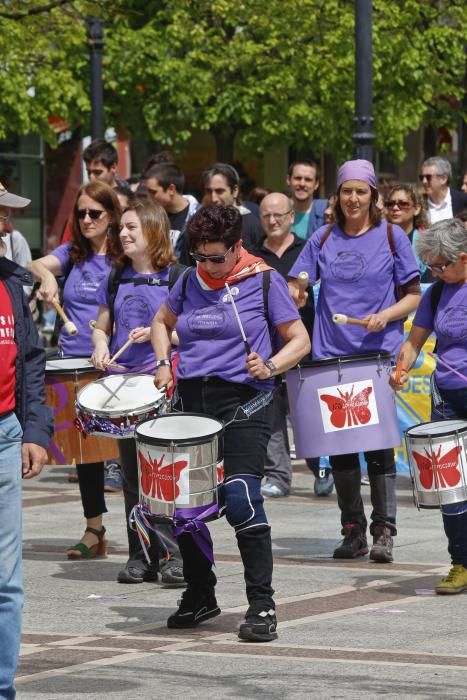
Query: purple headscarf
point(357, 170)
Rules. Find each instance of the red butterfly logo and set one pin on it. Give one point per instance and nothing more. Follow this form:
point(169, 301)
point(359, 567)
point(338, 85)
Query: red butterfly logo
point(220, 472)
point(157, 481)
point(347, 408)
point(442, 471)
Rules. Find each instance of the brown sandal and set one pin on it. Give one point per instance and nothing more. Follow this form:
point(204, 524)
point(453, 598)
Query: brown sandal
point(82, 551)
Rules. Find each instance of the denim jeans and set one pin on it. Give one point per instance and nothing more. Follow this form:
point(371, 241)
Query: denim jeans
point(11, 579)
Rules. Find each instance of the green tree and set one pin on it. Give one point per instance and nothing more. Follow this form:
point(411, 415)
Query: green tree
point(257, 72)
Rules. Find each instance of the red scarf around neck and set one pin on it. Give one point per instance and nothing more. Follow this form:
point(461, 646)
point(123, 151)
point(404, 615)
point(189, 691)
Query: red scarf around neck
point(246, 266)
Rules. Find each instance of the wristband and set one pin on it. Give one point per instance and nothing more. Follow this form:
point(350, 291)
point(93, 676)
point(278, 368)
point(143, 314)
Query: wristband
point(163, 363)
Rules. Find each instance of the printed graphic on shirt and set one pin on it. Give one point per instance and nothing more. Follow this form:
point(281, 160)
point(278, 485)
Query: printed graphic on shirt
point(7, 329)
point(348, 406)
point(87, 285)
point(453, 323)
point(134, 312)
point(348, 266)
point(208, 321)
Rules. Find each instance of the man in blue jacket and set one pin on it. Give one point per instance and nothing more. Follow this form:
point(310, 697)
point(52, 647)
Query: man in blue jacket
point(303, 181)
point(26, 426)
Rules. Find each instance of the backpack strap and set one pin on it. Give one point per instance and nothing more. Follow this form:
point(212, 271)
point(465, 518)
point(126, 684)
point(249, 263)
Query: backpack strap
point(435, 296)
point(326, 235)
point(390, 235)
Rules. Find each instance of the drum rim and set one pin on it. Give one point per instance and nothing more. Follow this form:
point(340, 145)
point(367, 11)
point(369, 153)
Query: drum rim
point(430, 422)
point(344, 359)
point(115, 413)
point(182, 441)
point(70, 370)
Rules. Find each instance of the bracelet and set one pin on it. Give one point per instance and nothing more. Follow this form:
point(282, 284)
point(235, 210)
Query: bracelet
point(163, 363)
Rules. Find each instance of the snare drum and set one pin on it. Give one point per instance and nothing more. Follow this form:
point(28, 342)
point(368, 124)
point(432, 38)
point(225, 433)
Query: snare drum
point(180, 462)
point(64, 378)
point(343, 405)
point(437, 455)
point(111, 407)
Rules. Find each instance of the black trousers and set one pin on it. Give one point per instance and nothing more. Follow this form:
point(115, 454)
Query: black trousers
point(91, 487)
point(245, 444)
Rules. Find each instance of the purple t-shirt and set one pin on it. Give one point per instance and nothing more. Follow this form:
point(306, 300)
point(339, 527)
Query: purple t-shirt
point(359, 276)
point(79, 299)
point(135, 305)
point(210, 339)
point(450, 326)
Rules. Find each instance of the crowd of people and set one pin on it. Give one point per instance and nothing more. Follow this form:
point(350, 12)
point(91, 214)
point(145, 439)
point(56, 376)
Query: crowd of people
point(145, 267)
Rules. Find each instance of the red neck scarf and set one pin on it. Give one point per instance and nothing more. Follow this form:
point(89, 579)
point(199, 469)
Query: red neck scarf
point(246, 266)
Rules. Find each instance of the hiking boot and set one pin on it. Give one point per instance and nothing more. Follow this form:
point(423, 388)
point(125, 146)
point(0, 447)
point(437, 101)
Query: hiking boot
point(172, 575)
point(381, 550)
point(354, 543)
point(113, 482)
point(195, 606)
point(454, 582)
point(259, 627)
point(324, 483)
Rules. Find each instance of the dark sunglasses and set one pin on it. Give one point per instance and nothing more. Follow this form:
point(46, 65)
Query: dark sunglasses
point(428, 177)
point(401, 203)
point(216, 259)
point(93, 214)
point(439, 268)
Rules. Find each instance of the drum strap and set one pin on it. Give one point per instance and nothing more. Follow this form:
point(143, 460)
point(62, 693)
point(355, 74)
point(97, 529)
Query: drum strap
point(435, 296)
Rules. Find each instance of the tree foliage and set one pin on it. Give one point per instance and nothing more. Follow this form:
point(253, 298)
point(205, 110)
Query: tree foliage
point(263, 71)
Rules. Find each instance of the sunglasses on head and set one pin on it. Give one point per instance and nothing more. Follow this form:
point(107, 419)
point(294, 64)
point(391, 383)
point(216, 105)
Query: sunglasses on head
point(93, 214)
point(401, 203)
point(216, 259)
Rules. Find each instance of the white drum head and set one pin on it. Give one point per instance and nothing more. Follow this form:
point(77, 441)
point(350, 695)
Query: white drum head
point(179, 427)
point(120, 394)
point(442, 427)
point(68, 364)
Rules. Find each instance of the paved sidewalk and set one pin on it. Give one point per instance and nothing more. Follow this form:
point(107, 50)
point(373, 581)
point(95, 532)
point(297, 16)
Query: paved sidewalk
point(346, 629)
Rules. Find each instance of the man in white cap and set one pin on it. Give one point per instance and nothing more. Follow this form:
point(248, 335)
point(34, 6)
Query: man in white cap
point(26, 425)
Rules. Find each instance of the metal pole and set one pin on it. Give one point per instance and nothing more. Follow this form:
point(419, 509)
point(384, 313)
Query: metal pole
point(96, 45)
point(363, 135)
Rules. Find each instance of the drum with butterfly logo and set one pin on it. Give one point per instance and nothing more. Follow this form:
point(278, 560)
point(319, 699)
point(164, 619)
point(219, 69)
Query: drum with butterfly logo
point(437, 455)
point(180, 463)
point(343, 405)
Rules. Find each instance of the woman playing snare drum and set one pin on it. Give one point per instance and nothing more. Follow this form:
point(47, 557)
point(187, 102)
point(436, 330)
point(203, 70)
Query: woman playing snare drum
point(216, 377)
point(145, 266)
point(84, 264)
point(362, 265)
point(443, 248)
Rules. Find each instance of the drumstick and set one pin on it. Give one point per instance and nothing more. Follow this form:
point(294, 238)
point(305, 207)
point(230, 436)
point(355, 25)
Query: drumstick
point(240, 325)
point(122, 350)
point(92, 324)
point(342, 319)
point(302, 280)
point(68, 325)
point(399, 368)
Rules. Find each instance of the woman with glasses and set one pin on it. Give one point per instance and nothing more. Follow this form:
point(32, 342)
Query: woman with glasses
point(443, 247)
point(405, 208)
point(221, 375)
point(367, 270)
point(144, 261)
point(83, 263)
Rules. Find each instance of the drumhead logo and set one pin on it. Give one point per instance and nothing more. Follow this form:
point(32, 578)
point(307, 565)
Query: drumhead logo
point(163, 482)
point(439, 471)
point(348, 406)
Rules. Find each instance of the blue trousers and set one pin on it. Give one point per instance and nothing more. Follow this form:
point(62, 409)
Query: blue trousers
point(447, 404)
point(11, 578)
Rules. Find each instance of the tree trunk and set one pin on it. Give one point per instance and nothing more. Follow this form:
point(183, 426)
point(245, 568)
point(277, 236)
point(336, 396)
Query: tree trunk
point(225, 139)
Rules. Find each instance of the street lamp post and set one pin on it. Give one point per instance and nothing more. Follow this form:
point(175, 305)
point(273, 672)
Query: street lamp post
point(363, 135)
point(96, 45)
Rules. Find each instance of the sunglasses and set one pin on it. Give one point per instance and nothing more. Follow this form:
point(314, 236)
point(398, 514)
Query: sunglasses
point(440, 268)
point(216, 259)
point(401, 203)
point(93, 214)
point(428, 177)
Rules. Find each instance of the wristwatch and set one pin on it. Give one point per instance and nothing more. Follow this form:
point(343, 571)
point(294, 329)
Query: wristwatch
point(163, 363)
point(271, 367)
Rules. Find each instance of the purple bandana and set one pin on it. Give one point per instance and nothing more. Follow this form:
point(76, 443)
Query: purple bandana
point(357, 170)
